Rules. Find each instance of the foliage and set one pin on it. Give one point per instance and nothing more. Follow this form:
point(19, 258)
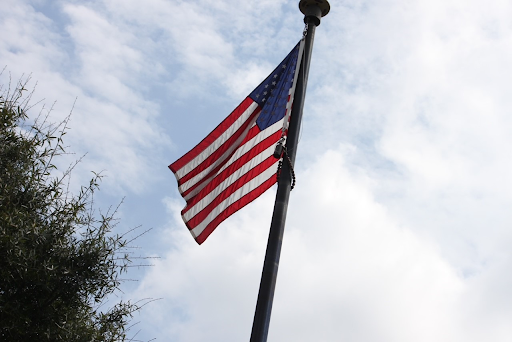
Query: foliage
point(58, 257)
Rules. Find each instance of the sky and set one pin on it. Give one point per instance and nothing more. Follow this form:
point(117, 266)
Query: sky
point(399, 228)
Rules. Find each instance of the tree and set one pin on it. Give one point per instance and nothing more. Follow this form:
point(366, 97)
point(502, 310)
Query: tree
point(59, 259)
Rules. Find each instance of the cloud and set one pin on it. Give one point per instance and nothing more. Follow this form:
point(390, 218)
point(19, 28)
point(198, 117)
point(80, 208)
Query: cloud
point(349, 270)
point(416, 90)
point(105, 74)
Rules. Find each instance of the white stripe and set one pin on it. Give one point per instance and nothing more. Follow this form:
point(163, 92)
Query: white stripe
point(218, 142)
point(248, 187)
point(240, 152)
point(229, 180)
point(236, 144)
point(289, 108)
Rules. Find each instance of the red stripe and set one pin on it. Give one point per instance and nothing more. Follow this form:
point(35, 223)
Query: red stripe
point(251, 134)
point(254, 172)
point(221, 150)
point(253, 152)
point(233, 208)
point(210, 138)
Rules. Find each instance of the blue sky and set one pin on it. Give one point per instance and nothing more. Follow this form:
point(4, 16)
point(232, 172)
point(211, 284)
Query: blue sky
point(399, 228)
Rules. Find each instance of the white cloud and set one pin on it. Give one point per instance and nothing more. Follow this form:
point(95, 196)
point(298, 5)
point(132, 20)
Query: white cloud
point(105, 74)
point(418, 89)
point(349, 270)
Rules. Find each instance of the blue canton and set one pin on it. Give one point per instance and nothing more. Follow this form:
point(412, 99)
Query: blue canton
point(272, 93)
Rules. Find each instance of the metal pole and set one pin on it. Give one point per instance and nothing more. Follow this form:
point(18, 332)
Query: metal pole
point(313, 11)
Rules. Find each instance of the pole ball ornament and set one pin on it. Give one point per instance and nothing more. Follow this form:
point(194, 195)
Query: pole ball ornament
point(314, 9)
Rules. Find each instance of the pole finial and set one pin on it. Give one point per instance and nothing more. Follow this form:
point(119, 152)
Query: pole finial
point(314, 10)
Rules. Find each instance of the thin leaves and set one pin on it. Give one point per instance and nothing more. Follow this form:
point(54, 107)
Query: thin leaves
point(59, 257)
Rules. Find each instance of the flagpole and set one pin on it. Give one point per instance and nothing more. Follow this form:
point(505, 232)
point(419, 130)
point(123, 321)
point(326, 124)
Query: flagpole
point(313, 11)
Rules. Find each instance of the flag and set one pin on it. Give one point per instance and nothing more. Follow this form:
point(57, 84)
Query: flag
point(234, 164)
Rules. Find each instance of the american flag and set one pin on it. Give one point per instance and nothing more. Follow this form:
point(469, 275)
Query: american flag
point(234, 164)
